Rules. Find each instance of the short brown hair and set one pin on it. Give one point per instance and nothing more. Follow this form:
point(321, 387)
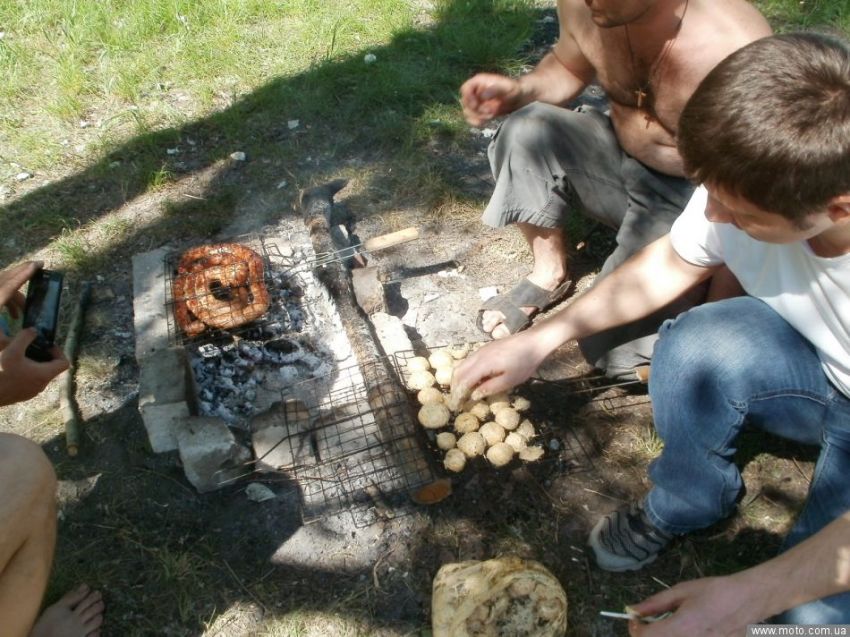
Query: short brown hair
point(771, 124)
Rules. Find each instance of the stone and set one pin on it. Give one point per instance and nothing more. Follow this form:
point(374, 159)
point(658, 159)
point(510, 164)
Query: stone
point(149, 303)
point(210, 455)
point(162, 377)
point(368, 290)
point(391, 333)
point(162, 423)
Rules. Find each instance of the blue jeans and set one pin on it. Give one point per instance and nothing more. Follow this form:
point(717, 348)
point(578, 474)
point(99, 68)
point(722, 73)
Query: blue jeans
point(717, 368)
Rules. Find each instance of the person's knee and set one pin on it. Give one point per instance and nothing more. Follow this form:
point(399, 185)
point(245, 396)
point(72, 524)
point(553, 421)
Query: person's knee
point(24, 464)
point(530, 127)
point(702, 344)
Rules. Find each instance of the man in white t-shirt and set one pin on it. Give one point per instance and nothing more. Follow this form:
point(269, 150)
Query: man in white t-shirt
point(768, 133)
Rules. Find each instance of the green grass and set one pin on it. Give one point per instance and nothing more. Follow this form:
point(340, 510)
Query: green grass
point(97, 93)
point(94, 95)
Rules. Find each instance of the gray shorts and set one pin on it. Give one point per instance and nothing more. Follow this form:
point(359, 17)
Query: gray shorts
point(543, 157)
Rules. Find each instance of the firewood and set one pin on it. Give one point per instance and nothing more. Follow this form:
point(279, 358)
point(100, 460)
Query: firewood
point(67, 403)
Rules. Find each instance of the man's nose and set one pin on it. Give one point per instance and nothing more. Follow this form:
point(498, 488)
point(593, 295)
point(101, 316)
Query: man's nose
point(717, 214)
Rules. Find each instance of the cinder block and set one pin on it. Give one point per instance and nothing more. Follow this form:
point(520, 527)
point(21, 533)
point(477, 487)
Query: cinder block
point(210, 454)
point(163, 422)
point(162, 377)
point(149, 298)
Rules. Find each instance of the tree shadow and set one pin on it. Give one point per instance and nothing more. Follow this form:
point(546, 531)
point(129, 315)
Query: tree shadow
point(130, 524)
point(362, 114)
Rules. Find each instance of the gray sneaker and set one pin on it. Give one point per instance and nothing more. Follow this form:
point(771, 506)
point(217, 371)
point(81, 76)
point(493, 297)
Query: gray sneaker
point(625, 539)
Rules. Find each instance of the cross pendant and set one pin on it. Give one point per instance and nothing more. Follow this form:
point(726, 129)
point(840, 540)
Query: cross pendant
point(640, 94)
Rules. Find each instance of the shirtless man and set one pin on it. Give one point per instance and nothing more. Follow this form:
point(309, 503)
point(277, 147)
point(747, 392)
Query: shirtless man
point(28, 497)
point(649, 56)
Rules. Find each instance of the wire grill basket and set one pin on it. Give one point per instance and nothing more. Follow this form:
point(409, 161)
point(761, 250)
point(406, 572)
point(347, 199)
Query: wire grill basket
point(347, 445)
point(227, 291)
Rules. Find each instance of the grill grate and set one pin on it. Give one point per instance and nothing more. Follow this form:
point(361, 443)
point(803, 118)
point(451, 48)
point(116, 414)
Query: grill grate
point(348, 448)
point(281, 275)
point(573, 452)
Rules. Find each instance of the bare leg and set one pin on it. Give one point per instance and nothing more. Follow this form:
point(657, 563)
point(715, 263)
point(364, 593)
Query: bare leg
point(27, 537)
point(27, 531)
point(550, 269)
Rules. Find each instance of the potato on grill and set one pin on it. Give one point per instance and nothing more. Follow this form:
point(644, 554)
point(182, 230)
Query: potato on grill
point(434, 416)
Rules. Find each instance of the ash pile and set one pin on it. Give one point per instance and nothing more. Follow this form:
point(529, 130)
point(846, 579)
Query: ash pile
point(240, 372)
point(251, 328)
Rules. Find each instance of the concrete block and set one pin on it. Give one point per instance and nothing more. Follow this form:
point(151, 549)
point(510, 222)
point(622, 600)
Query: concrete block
point(210, 454)
point(163, 422)
point(368, 290)
point(391, 333)
point(149, 299)
point(162, 377)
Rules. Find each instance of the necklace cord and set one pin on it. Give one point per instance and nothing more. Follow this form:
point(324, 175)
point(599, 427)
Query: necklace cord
point(643, 91)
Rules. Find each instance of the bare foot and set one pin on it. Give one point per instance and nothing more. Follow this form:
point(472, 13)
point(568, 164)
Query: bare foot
point(78, 614)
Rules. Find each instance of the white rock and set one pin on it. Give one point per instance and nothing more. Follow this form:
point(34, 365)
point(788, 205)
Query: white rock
point(257, 492)
point(487, 293)
point(237, 156)
point(171, 151)
point(282, 184)
point(293, 124)
point(23, 176)
point(370, 58)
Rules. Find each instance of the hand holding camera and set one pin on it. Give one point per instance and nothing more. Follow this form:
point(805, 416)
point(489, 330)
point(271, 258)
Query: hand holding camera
point(30, 359)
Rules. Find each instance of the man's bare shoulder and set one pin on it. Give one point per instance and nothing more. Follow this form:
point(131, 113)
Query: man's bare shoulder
point(574, 16)
point(715, 28)
point(729, 23)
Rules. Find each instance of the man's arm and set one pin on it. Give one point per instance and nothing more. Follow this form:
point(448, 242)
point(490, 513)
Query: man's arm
point(558, 78)
point(648, 281)
point(721, 606)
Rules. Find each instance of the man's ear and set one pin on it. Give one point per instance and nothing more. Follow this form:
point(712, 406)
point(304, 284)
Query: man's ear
point(838, 208)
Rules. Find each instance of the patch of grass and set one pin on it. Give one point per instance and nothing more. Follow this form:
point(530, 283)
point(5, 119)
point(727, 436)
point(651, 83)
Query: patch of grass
point(107, 90)
point(794, 15)
point(74, 250)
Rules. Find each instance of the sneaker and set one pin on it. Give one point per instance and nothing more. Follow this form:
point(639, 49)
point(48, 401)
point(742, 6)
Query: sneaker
point(625, 539)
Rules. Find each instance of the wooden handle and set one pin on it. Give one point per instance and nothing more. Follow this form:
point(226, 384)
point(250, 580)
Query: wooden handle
point(392, 239)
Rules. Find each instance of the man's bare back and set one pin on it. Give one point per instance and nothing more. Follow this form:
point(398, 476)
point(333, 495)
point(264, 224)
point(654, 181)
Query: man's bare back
point(663, 54)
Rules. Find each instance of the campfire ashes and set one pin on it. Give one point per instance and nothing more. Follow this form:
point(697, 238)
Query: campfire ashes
point(289, 384)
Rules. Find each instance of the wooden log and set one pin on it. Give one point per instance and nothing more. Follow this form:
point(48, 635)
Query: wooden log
point(67, 403)
point(387, 399)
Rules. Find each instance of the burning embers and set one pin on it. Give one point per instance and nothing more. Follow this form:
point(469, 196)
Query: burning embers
point(244, 378)
point(243, 316)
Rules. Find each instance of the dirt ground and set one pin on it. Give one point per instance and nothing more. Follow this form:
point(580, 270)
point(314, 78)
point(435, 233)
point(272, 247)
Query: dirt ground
point(173, 562)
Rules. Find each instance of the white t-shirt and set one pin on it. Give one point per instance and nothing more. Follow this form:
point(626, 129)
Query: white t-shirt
point(812, 293)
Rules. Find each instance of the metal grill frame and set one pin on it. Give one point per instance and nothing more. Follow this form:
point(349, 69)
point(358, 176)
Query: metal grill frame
point(362, 478)
point(573, 454)
point(280, 272)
